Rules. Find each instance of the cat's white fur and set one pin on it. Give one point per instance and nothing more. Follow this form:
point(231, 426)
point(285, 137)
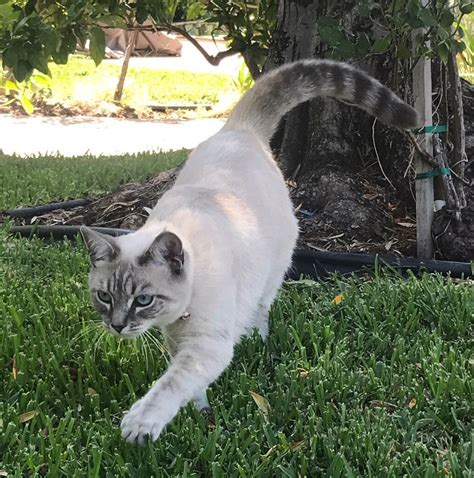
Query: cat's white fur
point(231, 210)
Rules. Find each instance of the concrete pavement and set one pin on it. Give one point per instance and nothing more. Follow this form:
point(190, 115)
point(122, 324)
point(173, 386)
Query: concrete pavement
point(77, 136)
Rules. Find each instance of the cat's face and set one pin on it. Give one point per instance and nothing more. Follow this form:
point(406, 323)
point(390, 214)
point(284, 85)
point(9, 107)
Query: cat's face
point(135, 292)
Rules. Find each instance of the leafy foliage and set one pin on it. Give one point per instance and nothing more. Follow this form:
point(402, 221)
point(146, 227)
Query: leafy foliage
point(33, 32)
point(248, 25)
point(12, 91)
point(407, 28)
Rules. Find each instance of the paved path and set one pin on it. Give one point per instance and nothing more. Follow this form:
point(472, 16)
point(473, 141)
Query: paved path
point(78, 136)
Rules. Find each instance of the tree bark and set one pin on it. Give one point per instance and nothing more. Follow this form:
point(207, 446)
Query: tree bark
point(336, 155)
point(123, 72)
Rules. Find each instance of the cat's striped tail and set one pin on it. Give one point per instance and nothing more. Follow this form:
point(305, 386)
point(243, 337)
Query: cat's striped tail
point(280, 90)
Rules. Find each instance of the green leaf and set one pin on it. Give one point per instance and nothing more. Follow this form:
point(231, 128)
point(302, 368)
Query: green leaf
point(50, 40)
point(97, 45)
point(10, 57)
point(332, 35)
point(40, 63)
point(467, 8)
point(11, 85)
point(26, 104)
point(113, 21)
point(363, 45)
point(382, 44)
point(427, 18)
point(8, 16)
point(42, 81)
point(442, 51)
point(447, 19)
point(195, 10)
point(345, 49)
point(22, 70)
point(403, 52)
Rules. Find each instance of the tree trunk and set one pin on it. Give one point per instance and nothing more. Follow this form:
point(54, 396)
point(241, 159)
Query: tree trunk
point(343, 163)
point(123, 72)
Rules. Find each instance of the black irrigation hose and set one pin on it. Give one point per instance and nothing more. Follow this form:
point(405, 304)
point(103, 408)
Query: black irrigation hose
point(317, 265)
point(58, 233)
point(322, 264)
point(28, 212)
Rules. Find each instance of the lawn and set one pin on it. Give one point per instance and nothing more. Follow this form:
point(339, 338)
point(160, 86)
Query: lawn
point(81, 81)
point(30, 181)
point(377, 384)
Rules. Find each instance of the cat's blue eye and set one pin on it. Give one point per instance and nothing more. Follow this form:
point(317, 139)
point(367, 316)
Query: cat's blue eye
point(144, 300)
point(104, 297)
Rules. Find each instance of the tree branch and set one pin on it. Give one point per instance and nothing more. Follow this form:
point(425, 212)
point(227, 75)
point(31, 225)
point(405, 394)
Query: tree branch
point(213, 60)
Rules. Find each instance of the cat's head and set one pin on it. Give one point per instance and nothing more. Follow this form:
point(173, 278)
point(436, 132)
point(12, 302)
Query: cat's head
point(137, 282)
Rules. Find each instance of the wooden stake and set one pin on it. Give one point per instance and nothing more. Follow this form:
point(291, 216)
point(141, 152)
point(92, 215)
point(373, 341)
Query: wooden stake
point(422, 91)
point(424, 187)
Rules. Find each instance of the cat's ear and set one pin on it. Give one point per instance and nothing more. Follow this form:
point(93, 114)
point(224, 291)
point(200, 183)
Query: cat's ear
point(166, 247)
point(100, 246)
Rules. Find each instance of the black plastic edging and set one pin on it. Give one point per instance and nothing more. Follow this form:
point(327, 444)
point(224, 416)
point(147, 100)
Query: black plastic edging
point(317, 265)
point(28, 212)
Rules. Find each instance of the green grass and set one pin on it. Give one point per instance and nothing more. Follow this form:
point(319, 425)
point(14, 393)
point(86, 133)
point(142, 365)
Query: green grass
point(81, 81)
point(379, 385)
point(407, 343)
point(30, 181)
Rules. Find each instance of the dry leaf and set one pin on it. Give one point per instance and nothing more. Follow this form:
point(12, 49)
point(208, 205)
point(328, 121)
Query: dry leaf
point(338, 299)
point(389, 245)
point(270, 451)
point(14, 369)
point(390, 407)
point(91, 392)
point(412, 403)
point(302, 372)
point(27, 416)
point(262, 403)
point(371, 196)
point(406, 224)
point(297, 445)
point(3, 473)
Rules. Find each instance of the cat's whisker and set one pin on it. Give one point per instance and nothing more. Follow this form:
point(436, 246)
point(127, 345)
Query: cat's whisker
point(159, 344)
point(89, 329)
point(99, 339)
point(144, 345)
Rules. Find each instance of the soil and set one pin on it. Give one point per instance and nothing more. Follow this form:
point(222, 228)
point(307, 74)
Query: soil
point(126, 208)
point(103, 109)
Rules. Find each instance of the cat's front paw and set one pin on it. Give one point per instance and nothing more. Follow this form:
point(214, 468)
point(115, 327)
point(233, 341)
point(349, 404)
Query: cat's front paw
point(143, 422)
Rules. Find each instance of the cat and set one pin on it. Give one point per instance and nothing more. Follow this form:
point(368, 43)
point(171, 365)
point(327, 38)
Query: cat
point(208, 263)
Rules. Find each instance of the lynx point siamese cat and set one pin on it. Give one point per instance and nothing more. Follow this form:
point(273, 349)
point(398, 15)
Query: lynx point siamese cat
point(208, 262)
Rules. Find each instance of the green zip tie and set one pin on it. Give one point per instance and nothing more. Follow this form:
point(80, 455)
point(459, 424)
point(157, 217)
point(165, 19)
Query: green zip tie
point(433, 173)
point(438, 128)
